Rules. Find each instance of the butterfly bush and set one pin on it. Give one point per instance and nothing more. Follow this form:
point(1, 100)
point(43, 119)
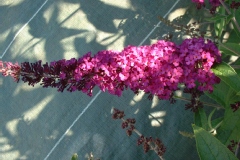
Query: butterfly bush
point(156, 69)
point(213, 3)
point(8, 68)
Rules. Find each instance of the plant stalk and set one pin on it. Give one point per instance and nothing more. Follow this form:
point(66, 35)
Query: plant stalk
point(139, 134)
point(228, 11)
point(237, 149)
point(204, 103)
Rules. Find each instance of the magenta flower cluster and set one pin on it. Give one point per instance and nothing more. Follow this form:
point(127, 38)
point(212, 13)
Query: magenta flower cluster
point(213, 3)
point(156, 69)
point(234, 144)
point(235, 106)
point(235, 5)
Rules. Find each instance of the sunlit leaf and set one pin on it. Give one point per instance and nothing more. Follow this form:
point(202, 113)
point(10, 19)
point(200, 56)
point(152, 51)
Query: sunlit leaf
point(227, 74)
point(75, 156)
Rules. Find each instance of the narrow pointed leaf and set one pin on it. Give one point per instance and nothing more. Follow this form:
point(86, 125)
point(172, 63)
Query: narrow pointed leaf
point(230, 48)
point(215, 18)
point(209, 147)
point(222, 94)
point(227, 74)
point(200, 119)
point(219, 23)
point(216, 121)
point(210, 119)
point(230, 127)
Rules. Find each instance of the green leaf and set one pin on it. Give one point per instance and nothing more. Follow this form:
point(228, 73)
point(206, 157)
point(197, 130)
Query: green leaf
point(75, 156)
point(233, 37)
point(238, 93)
point(222, 94)
point(186, 134)
point(236, 30)
point(216, 121)
point(230, 48)
point(228, 18)
point(237, 16)
point(200, 119)
point(215, 17)
point(236, 66)
point(230, 127)
point(209, 147)
point(227, 74)
point(220, 23)
point(218, 26)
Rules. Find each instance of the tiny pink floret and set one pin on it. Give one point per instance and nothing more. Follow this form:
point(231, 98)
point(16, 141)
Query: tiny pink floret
point(10, 69)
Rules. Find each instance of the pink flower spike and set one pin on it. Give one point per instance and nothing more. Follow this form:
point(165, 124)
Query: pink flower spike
point(7, 68)
point(156, 69)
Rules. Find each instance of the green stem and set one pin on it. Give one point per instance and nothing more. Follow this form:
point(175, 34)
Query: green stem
point(213, 130)
point(204, 103)
point(151, 146)
point(210, 119)
point(155, 119)
point(228, 11)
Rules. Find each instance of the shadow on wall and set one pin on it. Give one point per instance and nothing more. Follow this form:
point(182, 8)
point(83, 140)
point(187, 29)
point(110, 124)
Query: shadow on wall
point(12, 16)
